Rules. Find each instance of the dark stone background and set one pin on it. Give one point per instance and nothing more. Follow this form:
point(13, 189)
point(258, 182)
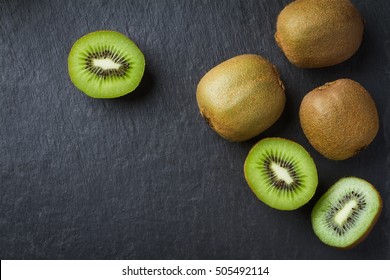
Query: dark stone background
point(143, 177)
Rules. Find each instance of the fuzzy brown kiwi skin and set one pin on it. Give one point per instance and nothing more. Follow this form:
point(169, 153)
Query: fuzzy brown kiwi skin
point(339, 119)
point(319, 33)
point(241, 97)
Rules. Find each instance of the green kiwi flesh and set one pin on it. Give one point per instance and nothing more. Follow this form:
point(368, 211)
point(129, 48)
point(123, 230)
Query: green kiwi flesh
point(346, 213)
point(281, 173)
point(105, 64)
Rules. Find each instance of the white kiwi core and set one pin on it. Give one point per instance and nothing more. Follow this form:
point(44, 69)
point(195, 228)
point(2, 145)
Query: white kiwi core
point(345, 212)
point(106, 64)
point(281, 173)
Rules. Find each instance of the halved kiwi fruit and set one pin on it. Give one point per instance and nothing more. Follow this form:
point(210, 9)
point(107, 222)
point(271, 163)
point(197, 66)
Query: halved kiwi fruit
point(346, 213)
point(281, 173)
point(105, 64)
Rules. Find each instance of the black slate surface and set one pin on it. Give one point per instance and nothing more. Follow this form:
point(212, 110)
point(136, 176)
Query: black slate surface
point(143, 176)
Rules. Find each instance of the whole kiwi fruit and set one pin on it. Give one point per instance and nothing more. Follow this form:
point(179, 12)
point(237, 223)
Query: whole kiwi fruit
point(105, 64)
point(339, 119)
point(319, 33)
point(241, 97)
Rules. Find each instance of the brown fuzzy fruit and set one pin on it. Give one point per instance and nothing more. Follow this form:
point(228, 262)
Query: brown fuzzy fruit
point(241, 97)
point(339, 119)
point(319, 33)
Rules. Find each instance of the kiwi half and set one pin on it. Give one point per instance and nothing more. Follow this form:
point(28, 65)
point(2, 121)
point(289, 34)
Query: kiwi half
point(281, 173)
point(105, 64)
point(346, 213)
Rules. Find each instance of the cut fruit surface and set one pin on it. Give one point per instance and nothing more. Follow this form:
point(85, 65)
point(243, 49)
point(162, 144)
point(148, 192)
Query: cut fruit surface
point(105, 64)
point(281, 173)
point(346, 213)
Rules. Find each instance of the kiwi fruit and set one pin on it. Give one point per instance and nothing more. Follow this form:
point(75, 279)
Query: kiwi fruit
point(105, 64)
point(281, 173)
point(319, 33)
point(339, 119)
point(346, 213)
point(241, 97)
